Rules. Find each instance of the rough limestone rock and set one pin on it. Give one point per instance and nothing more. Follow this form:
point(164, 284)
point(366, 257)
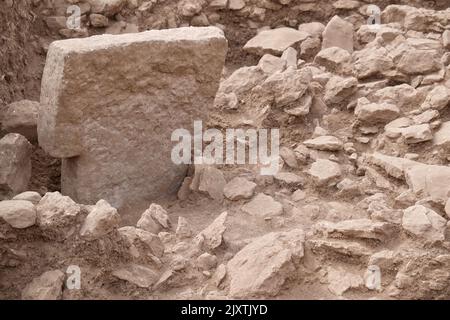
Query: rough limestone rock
point(18, 213)
point(334, 59)
point(104, 156)
point(338, 33)
point(274, 41)
point(375, 112)
point(21, 117)
point(358, 228)
point(100, 221)
point(417, 133)
point(138, 275)
point(239, 188)
point(271, 64)
point(107, 7)
point(325, 171)
point(138, 238)
point(326, 143)
point(263, 266)
point(154, 219)
point(438, 98)
point(212, 236)
point(314, 29)
point(263, 206)
point(442, 136)
point(340, 281)
point(419, 62)
point(371, 62)
point(55, 211)
point(338, 89)
point(208, 180)
point(288, 179)
point(31, 196)
point(15, 165)
point(424, 222)
point(48, 286)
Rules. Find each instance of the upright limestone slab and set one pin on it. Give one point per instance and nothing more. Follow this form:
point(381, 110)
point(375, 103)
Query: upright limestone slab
point(111, 102)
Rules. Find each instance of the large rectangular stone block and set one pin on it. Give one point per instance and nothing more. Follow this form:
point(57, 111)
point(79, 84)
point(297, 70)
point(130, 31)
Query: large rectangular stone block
point(111, 102)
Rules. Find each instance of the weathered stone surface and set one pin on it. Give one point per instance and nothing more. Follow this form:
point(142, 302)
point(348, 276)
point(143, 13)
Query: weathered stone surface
point(334, 59)
point(48, 286)
point(100, 221)
point(274, 41)
point(339, 281)
point(154, 219)
point(438, 98)
point(212, 236)
point(314, 29)
point(271, 64)
point(358, 228)
point(263, 266)
point(139, 238)
point(21, 117)
point(371, 62)
point(15, 165)
point(208, 180)
point(30, 196)
point(338, 89)
point(423, 222)
point(326, 143)
point(419, 62)
point(107, 7)
point(325, 171)
point(239, 188)
point(55, 211)
point(442, 136)
point(417, 133)
point(288, 179)
point(263, 206)
point(338, 33)
point(18, 213)
point(141, 276)
point(375, 112)
point(173, 76)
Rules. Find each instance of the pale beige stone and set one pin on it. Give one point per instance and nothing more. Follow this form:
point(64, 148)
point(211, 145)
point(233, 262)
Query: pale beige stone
point(94, 88)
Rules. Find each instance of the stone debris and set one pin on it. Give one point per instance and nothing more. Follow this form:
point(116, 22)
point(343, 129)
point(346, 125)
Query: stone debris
point(21, 117)
point(359, 207)
point(56, 211)
point(325, 171)
point(154, 219)
point(48, 286)
point(263, 266)
point(423, 222)
point(209, 180)
point(239, 188)
point(338, 33)
point(263, 206)
point(15, 165)
point(212, 237)
point(100, 221)
point(325, 143)
point(138, 275)
point(275, 41)
point(18, 213)
point(31, 196)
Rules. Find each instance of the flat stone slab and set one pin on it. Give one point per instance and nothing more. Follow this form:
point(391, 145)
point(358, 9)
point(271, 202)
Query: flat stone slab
point(274, 41)
point(110, 104)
